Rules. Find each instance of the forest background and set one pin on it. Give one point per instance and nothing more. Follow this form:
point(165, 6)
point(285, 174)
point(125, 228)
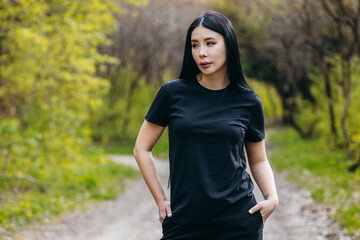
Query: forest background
point(77, 77)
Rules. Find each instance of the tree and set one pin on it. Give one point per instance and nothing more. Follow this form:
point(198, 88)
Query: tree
point(48, 80)
point(274, 53)
point(149, 42)
point(293, 45)
point(346, 16)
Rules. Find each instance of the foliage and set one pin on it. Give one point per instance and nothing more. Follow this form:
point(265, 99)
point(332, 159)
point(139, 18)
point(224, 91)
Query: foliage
point(353, 125)
point(110, 126)
point(115, 122)
point(47, 82)
point(315, 165)
point(149, 42)
point(50, 86)
point(161, 149)
point(69, 185)
point(309, 51)
point(270, 99)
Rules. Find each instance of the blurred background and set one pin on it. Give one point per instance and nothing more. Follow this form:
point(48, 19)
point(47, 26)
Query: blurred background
point(77, 78)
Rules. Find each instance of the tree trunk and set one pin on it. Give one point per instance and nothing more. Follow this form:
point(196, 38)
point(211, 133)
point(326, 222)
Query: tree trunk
point(328, 93)
point(346, 89)
point(353, 167)
point(289, 117)
point(304, 133)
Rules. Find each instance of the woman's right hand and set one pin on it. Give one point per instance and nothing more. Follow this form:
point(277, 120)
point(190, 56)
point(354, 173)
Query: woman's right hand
point(164, 210)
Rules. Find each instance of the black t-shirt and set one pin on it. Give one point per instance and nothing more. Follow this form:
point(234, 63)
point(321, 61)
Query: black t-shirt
point(207, 130)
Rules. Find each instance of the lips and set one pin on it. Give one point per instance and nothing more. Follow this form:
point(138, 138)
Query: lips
point(205, 64)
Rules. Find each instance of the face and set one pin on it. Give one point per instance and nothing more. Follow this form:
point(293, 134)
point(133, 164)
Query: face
point(208, 50)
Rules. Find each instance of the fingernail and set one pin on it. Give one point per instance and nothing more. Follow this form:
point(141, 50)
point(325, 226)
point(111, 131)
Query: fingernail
point(250, 211)
point(169, 215)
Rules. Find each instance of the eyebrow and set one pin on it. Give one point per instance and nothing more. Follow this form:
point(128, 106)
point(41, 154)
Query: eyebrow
point(206, 39)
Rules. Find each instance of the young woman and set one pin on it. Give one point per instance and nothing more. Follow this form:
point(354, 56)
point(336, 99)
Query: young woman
point(212, 115)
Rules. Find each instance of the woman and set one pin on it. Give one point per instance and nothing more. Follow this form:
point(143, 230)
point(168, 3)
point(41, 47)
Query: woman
point(212, 114)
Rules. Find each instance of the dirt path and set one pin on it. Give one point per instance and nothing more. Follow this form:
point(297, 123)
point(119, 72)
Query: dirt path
point(133, 216)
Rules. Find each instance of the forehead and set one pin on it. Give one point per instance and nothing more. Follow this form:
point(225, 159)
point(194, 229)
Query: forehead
point(200, 33)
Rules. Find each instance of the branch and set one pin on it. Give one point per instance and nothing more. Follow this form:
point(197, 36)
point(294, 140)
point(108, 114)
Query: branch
point(331, 14)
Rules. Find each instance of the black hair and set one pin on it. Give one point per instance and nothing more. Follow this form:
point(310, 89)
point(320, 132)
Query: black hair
point(219, 23)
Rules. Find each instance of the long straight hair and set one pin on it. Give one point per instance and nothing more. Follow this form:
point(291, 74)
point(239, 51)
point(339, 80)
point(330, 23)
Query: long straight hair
point(216, 22)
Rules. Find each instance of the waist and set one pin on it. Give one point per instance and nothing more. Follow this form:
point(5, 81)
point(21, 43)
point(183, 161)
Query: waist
point(218, 214)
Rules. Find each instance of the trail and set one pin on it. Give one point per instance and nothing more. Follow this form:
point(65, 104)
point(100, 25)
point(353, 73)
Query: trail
point(133, 216)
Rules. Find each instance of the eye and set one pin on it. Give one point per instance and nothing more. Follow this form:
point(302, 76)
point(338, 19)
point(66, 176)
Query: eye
point(210, 43)
point(194, 45)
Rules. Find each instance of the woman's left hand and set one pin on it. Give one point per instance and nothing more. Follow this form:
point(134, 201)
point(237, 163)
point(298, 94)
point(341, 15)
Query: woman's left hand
point(265, 207)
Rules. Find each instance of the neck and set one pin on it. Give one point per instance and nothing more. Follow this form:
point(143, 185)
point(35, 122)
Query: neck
point(214, 81)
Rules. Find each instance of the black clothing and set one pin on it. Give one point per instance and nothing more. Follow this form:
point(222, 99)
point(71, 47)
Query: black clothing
point(207, 131)
point(249, 227)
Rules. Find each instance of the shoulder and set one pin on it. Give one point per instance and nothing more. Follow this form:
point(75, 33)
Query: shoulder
point(255, 103)
point(175, 84)
point(255, 98)
point(248, 96)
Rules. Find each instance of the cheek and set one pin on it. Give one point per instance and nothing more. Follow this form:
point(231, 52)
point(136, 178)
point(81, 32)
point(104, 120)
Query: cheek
point(222, 54)
point(194, 55)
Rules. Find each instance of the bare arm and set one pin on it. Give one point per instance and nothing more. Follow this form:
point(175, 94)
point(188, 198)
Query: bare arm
point(148, 135)
point(263, 175)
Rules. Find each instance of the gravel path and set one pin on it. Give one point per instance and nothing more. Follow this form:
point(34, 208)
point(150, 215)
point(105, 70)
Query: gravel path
point(133, 216)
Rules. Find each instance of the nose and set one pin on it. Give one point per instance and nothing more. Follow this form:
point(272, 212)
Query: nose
point(202, 52)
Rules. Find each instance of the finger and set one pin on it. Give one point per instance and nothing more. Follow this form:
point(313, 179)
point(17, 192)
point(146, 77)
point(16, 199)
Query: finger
point(255, 208)
point(161, 215)
point(168, 211)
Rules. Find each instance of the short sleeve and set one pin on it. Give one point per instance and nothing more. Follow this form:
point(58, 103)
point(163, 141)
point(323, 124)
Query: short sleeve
point(256, 129)
point(159, 109)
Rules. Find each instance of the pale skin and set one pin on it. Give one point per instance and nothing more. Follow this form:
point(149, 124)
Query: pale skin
point(207, 47)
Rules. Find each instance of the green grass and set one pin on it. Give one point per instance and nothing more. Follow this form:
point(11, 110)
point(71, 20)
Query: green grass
point(124, 149)
point(70, 185)
point(160, 150)
point(321, 168)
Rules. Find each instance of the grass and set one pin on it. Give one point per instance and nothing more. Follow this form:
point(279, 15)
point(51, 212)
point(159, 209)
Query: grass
point(160, 150)
point(321, 168)
point(125, 149)
point(70, 185)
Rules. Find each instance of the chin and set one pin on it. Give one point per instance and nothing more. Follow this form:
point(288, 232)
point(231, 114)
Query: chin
point(207, 71)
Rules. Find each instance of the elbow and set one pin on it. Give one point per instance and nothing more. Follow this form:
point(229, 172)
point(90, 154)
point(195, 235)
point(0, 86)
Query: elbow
point(136, 152)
